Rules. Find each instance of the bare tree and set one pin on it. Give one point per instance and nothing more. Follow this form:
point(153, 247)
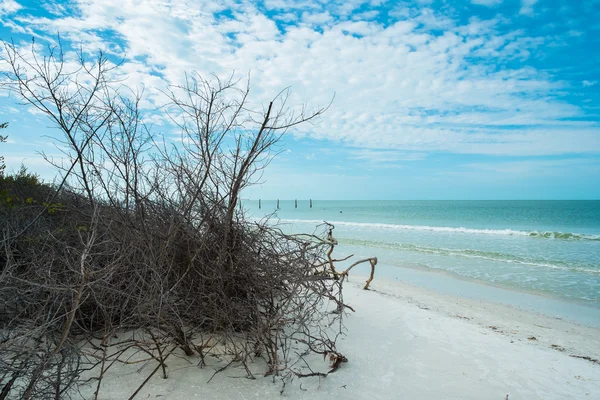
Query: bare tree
point(146, 236)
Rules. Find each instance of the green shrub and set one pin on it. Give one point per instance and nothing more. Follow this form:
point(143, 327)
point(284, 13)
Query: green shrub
point(23, 189)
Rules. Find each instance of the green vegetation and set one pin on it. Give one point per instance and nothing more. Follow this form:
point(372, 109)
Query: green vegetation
point(22, 188)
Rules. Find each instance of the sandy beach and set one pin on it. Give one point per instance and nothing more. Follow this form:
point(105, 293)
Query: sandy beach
point(407, 342)
point(185, 185)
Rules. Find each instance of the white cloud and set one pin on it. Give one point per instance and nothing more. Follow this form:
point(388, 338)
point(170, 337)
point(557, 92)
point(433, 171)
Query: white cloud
point(9, 7)
point(316, 18)
point(589, 83)
point(385, 156)
point(527, 7)
point(398, 87)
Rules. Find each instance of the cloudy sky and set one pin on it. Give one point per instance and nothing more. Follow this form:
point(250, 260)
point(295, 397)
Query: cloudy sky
point(465, 99)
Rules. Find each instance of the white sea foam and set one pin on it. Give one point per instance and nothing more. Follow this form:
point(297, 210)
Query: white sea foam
point(462, 230)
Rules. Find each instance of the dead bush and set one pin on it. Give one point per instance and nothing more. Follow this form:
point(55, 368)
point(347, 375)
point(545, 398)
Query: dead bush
point(146, 237)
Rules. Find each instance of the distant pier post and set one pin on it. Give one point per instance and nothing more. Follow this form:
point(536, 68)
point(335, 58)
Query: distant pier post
point(310, 203)
point(278, 204)
point(259, 204)
point(296, 203)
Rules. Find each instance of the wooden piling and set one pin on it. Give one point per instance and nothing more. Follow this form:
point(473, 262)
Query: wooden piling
point(259, 204)
point(296, 203)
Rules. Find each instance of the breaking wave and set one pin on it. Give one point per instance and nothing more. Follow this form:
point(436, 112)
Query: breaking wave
point(503, 232)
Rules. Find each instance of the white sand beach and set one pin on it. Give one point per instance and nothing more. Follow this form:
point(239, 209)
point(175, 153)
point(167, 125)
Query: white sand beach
point(184, 184)
point(407, 342)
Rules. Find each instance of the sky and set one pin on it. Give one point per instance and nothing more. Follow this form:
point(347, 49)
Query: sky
point(432, 99)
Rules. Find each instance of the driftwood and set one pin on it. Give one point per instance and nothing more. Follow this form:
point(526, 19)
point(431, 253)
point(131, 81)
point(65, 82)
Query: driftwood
point(344, 274)
point(371, 260)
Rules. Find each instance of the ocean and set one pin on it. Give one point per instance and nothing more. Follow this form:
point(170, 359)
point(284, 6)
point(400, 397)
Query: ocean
point(548, 248)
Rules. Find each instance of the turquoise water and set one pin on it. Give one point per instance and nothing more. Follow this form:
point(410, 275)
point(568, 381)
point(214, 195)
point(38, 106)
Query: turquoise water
point(545, 247)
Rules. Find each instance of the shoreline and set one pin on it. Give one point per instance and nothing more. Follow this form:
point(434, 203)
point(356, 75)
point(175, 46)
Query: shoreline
point(561, 270)
point(447, 282)
point(489, 350)
point(488, 314)
point(405, 341)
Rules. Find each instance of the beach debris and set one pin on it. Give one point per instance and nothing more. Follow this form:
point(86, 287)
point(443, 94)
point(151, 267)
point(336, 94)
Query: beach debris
point(336, 359)
point(557, 347)
point(497, 329)
point(532, 338)
point(590, 359)
point(344, 274)
point(371, 260)
point(542, 326)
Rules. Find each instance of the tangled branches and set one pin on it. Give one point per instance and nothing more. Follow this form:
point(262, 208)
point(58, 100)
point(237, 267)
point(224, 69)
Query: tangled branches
point(141, 246)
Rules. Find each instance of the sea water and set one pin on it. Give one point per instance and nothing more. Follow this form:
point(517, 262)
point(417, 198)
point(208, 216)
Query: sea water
point(550, 248)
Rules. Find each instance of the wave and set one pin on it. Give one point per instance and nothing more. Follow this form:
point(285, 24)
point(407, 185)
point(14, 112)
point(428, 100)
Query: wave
point(502, 232)
point(477, 254)
point(564, 235)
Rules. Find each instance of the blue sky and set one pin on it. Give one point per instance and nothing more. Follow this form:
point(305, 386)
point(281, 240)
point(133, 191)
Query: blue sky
point(473, 99)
